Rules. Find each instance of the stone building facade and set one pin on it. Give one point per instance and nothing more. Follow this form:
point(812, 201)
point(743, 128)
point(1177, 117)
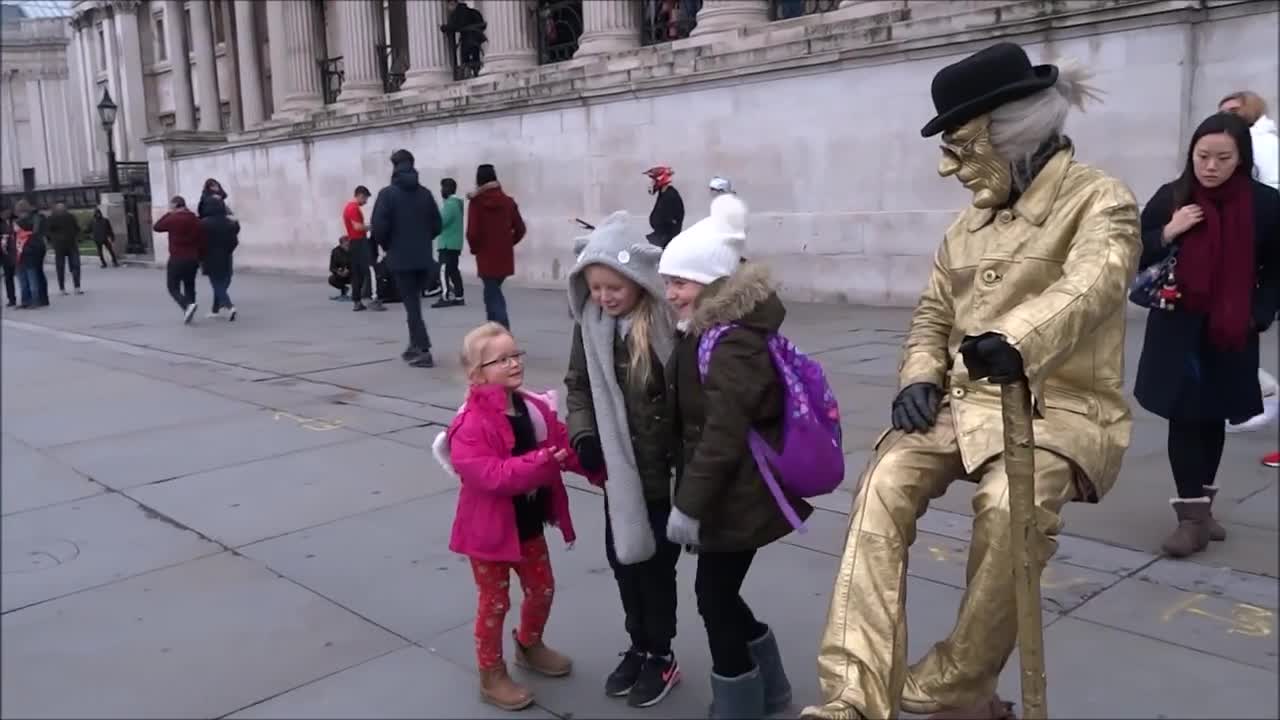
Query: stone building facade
point(815, 118)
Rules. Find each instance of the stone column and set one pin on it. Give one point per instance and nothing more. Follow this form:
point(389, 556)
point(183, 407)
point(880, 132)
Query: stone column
point(183, 100)
point(609, 26)
point(250, 71)
point(230, 47)
point(360, 25)
point(511, 45)
point(429, 61)
point(301, 66)
point(207, 96)
point(717, 15)
point(275, 52)
point(84, 70)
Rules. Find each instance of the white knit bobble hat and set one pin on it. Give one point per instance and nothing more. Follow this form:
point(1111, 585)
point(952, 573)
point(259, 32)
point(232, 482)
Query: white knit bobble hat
point(712, 248)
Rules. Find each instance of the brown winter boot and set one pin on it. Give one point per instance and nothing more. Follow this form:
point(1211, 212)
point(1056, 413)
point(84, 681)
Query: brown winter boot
point(992, 709)
point(541, 659)
point(1192, 534)
point(498, 689)
point(1217, 533)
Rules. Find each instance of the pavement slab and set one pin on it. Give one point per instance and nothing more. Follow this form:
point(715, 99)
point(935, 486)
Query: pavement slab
point(136, 450)
point(199, 640)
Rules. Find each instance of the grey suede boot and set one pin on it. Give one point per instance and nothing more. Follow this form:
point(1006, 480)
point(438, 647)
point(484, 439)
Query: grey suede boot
point(738, 698)
point(1217, 533)
point(777, 688)
point(1192, 534)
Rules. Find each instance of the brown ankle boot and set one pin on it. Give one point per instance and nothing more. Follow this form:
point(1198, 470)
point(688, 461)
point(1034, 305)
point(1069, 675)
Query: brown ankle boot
point(992, 709)
point(541, 659)
point(1192, 534)
point(498, 689)
point(1217, 533)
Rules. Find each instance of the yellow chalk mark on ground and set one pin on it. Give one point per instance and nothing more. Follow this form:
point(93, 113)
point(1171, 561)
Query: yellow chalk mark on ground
point(315, 424)
point(1245, 619)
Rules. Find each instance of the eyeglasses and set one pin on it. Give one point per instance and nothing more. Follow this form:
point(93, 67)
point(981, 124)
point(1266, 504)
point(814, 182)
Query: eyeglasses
point(511, 360)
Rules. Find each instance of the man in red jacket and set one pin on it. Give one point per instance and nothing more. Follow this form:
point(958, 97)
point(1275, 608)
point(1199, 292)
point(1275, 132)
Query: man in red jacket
point(494, 227)
point(186, 247)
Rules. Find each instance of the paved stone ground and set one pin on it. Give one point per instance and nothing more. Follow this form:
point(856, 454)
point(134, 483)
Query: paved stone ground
point(244, 520)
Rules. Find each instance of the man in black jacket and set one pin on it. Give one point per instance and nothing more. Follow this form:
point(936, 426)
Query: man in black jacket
point(64, 234)
point(405, 220)
point(104, 236)
point(340, 267)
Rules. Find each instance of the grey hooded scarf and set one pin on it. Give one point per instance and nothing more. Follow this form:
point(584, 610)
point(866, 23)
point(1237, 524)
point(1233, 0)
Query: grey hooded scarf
point(614, 245)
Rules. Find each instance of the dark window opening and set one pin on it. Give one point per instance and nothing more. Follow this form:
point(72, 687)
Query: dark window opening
point(559, 27)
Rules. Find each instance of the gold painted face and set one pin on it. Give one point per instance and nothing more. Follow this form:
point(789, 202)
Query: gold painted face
point(967, 153)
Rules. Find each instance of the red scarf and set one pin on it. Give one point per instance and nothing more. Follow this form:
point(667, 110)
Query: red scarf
point(1216, 267)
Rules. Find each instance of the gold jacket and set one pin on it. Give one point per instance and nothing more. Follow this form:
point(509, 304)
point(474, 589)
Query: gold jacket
point(1051, 274)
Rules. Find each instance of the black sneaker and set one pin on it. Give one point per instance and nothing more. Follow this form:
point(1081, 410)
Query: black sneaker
point(358, 307)
point(658, 675)
point(623, 678)
point(423, 361)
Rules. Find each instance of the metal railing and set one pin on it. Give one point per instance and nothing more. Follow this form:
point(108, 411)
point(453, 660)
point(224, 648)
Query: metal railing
point(666, 20)
point(331, 75)
point(559, 27)
point(787, 9)
point(392, 62)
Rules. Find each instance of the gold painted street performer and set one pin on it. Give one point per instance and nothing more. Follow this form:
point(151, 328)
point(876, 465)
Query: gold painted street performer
point(1030, 282)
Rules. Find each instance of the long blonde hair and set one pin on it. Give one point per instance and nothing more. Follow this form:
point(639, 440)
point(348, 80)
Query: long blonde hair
point(473, 345)
point(639, 341)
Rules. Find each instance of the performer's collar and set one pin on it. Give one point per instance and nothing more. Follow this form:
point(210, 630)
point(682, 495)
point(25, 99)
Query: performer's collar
point(1036, 203)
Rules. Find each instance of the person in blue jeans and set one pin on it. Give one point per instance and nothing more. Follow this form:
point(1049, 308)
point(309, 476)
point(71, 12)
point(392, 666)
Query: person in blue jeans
point(31, 249)
point(222, 236)
point(494, 227)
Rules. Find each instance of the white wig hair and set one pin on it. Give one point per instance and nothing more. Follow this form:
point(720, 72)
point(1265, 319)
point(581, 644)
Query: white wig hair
point(1020, 127)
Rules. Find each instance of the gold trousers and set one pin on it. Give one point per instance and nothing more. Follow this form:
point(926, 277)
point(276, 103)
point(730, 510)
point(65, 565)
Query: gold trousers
point(862, 662)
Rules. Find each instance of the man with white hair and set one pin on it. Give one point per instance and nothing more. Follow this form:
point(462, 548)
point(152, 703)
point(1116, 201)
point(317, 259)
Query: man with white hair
point(1029, 284)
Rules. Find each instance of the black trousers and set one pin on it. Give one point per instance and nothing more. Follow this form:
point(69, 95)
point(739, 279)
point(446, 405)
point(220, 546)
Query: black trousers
point(730, 624)
point(9, 292)
point(338, 282)
point(1195, 451)
point(411, 283)
point(181, 277)
point(61, 260)
point(648, 589)
point(362, 283)
point(111, 249)
point(452, 277)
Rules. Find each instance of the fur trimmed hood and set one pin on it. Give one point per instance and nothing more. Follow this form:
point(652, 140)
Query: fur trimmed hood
point(747, 297)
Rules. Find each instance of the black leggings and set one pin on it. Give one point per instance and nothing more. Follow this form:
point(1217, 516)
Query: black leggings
point(729, 622)
point(1195, 450)
point(648, 589)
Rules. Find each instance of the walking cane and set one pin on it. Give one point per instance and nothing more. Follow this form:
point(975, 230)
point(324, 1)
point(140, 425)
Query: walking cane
point(1020, 466)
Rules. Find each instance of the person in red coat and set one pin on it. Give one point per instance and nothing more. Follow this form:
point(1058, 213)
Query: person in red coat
point(494, 226)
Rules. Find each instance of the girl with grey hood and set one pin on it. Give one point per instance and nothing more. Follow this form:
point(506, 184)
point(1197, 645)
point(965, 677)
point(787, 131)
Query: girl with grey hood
point(619, 423)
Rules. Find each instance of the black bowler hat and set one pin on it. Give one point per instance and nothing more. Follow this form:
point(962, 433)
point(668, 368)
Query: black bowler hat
point(983, 82)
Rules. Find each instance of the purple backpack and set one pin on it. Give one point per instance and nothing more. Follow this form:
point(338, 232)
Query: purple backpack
point(811, 462)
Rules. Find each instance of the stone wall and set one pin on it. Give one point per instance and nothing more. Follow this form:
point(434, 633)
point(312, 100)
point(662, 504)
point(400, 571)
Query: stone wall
point(824, 146)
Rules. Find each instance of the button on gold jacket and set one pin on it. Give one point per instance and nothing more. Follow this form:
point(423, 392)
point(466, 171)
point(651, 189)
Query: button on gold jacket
point(1051, 274)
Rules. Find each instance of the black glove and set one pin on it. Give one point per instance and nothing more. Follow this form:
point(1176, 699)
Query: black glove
point(991, 356)
point(916, 407)
point(589, 453)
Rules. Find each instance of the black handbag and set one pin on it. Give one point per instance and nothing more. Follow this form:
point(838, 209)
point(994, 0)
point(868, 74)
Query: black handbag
point(1156, 288)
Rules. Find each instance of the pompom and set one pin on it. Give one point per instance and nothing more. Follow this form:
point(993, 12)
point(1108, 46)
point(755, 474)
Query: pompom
point(1073, 83)
point(731, 211)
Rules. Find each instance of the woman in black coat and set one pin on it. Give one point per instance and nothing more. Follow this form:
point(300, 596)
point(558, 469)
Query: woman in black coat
point(1199, 364)
point(212, 189)
point(222, 236)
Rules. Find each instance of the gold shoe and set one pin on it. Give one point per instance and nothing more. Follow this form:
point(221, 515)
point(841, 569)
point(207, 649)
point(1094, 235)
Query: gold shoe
point(834, 710)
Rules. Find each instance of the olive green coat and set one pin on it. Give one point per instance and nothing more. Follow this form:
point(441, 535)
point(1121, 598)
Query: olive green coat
point(718, 482)
point(648, 414)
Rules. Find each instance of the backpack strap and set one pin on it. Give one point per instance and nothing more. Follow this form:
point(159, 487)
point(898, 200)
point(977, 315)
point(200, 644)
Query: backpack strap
point(707, 343)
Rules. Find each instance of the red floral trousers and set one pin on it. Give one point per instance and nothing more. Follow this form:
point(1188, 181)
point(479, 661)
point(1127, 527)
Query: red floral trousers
point(493, 581)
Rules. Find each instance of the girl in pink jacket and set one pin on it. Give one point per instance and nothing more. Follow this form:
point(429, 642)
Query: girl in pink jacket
point(508, 448)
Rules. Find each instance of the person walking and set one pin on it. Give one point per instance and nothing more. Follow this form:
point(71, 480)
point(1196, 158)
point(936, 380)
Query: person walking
point(64, 235)
point(621, 427)
point(212, 189)
point(405, 220)
point(1199, 363)
point(494, 228)
point(449, 245)
point(186, 247)
point(364, 285)
point(222, 236)
point(9, 256)
point(104, 237)
point(667, 217)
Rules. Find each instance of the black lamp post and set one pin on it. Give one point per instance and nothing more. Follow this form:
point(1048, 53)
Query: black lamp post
point(107, 114)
